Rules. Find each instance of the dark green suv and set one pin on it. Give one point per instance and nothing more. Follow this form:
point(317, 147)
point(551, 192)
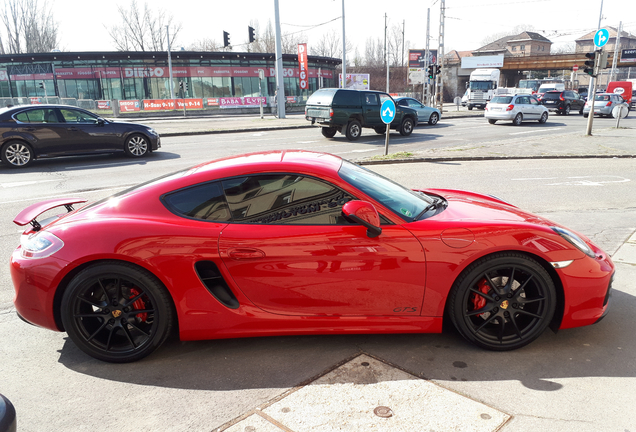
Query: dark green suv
point(348, 111)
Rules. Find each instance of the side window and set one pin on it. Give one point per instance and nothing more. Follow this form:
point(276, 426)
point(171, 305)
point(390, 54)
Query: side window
point(371, 99)
point(414, 104)
point(522, 100)
point(205, 202)
point(533, 101)
point(285, 199)
point(403, 102)
point(36, 116)
point(74, 116)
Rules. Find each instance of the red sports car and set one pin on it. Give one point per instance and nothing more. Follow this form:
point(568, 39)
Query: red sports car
point(295, 242)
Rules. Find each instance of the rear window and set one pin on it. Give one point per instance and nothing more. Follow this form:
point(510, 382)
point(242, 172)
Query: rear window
point(602, 97)
point(347, 97)
point(552, 95)
point(322, 97)
point(501, 100)
point(546, 89)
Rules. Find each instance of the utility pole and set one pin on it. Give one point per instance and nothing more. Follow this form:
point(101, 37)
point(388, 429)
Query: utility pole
point(591, 92)
point(386, 51)
point(344, 50)
point(427, 54)
point(280, 84)
point(170, 65)
point(440, 57)
point(403, 43)
point(617, 44)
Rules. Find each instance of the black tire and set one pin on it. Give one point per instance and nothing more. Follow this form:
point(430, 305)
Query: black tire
point(117, 312)
point(406, 128)
point(492, 121)
point(433, 119)
point(544, 118)
point(581, 111)
point(585, 115)
point(503, 301)
point(518, 119)
point(566, 111)
point(17, 154)
point(470, 107)
point(137, 145)
point(380, 130)
point(354, 130)
point(329, 132)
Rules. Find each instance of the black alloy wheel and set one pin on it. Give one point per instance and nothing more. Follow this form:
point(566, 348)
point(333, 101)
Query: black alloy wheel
point(17, 154)
point(329, 132)
point(137, 146)
point(544, 118)
point(117, 312)
point(518, 119)
point(503, 301)
point(354, 130)
point(433, 119)
point(406, 128)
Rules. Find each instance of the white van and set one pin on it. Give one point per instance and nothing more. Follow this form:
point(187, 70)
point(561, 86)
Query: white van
point(550, 87)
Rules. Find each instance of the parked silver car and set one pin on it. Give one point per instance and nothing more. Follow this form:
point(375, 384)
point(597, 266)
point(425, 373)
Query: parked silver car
point(517, 108)
point(424, 113)
point(604, 103)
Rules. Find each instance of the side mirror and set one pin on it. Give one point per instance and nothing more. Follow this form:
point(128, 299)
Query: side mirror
point(100, 121)
point(365, 214)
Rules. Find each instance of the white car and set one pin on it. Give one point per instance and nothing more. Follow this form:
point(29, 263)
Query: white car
point(516, 109)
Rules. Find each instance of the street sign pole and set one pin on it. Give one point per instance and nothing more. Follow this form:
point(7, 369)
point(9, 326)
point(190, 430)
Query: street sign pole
point(600, 40)
point(387, 114)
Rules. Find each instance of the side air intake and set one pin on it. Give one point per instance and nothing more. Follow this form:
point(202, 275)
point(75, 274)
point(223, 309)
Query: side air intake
point(209, 274)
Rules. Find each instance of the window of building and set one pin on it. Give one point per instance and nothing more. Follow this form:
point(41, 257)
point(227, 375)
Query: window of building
point(522, 47)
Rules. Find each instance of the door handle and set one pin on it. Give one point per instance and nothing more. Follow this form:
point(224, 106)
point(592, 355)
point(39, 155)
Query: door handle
point(29, 129)
point(72, 129)
point(245, 253)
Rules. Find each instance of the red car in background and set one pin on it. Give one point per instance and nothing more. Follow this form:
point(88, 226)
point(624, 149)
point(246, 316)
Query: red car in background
point(295, 242)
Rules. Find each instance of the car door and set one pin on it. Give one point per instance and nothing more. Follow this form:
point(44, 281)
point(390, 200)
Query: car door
point(537, 108)
point(524, 106)
point(42, 128)
point(371, 109)
point(423, 112)
point(86, 134)
point(291, 252)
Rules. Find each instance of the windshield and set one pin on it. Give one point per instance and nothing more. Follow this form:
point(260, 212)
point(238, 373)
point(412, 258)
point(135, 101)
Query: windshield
point(501, 100)
point(531, 84)
point(552, 95)
point(481, 85)
point(402, 201)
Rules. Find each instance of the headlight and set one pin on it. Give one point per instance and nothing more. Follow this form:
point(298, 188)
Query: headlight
point(40, 245)
point(575, 240)
point(152, 132)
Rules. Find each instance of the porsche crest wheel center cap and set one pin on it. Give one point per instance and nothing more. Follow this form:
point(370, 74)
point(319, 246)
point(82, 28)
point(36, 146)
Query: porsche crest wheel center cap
point(504, 304)
point(116, 313)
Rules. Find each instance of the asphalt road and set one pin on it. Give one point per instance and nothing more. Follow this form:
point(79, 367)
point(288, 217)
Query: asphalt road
point(577, 380)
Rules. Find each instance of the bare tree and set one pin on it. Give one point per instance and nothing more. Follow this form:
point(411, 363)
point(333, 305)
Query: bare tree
point(29, 27)
point(374, 52)
point(566, 48)
point(395, 41)
point(205, 44)
point(330, 45)
point(265, 42)
point(143, 30)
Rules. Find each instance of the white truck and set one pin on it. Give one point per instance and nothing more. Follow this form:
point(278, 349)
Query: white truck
point(481, 86)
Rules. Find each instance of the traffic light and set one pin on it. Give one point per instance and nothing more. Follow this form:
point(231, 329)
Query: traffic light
point(181, 85)
point(438, 70)
point(590, 64)
point(431, 71)
point(185, 86)
point(41, 84)
point(602, 60)
point(226, 39)
point(251, 33)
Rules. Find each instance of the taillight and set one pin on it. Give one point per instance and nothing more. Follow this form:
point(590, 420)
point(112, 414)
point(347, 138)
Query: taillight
point(305, 110)
point(40, 245)
point(609, 103)
point(510, 107)
point(330, 112)
point(561, 97)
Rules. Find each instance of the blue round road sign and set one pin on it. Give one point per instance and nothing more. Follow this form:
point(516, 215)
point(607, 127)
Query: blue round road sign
point(387, 111)
point(601, 37)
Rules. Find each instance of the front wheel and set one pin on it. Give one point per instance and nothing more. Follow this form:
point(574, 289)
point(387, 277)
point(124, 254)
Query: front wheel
point(17, 154)
point(433, 119)
point(117, 312)
point(354, 130)
point(406, 128)
point(518, 119)
point(137, 146)
point(329, 132)
point(502, 302)
point(544, 118)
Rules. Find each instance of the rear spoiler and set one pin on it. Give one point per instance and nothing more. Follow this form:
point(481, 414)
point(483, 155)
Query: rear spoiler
point(29, 214)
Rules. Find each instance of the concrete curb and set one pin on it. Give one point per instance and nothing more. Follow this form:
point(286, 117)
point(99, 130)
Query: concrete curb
point(486, 158)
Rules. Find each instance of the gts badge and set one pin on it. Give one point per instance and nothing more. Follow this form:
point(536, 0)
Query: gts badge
point(405, 309)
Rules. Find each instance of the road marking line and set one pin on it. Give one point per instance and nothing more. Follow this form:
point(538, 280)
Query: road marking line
point(26, 183)
point(535, 130)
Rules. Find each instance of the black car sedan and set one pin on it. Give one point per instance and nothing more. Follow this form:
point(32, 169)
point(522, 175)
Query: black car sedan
point(31, 132)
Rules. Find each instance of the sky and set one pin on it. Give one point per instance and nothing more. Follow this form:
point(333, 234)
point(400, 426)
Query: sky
point(84, 26)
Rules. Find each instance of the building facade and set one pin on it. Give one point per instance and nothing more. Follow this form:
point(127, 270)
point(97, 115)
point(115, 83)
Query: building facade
point(145, 75)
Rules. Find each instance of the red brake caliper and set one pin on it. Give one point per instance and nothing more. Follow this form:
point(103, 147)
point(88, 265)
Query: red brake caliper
point(138, 304)
point(479, 301)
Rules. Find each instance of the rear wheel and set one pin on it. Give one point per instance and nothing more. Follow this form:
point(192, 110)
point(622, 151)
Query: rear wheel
point(329, 132)
point(491, 121)
point(17, 154)
point(433, 119)
point(517, 120)
point(117, 312)
point(544, 117)
point(406, 128)
point(354, 130)
point(581, 110)
point(566, 111)
point(502, 302)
